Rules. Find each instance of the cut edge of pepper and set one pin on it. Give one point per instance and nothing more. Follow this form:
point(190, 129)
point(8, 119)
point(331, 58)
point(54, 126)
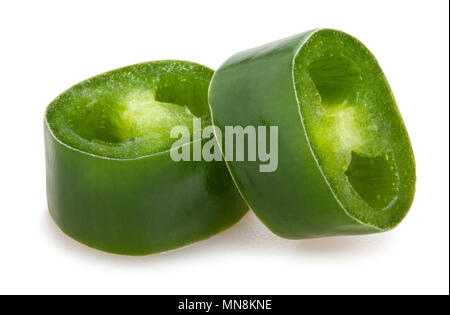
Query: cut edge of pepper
point(396, 116)
point(162, 152)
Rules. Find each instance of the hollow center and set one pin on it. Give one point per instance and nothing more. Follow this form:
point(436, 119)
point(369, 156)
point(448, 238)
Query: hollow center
point(135, 115)
point(337, 79)
point(345, 126)
point(374, 179)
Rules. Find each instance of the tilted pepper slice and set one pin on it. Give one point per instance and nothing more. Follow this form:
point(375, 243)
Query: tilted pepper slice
point(345, 163)
point(111, 182)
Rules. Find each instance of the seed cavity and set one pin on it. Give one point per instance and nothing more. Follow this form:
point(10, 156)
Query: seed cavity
point(132, 116)
point(347, 132)
point(374, 179)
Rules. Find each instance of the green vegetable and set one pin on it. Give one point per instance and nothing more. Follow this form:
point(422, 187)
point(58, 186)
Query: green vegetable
point(345, 163)
point(111, 182)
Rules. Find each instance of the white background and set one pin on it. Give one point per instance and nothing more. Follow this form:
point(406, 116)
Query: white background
point(47, 46)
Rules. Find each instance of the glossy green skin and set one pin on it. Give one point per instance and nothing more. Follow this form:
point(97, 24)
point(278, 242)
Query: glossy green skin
point(137, 206)
point(256, 87)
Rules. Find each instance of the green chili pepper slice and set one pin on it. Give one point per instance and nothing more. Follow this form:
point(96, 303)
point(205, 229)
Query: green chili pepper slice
point(345, 162)
point(111, 183)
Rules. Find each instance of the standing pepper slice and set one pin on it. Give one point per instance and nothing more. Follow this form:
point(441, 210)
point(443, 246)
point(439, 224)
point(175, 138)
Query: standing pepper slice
point(345, 163)
point(111, 182)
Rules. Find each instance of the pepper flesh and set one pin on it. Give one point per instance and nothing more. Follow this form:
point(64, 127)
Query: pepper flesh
point(111, 183)
point(345, 163)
